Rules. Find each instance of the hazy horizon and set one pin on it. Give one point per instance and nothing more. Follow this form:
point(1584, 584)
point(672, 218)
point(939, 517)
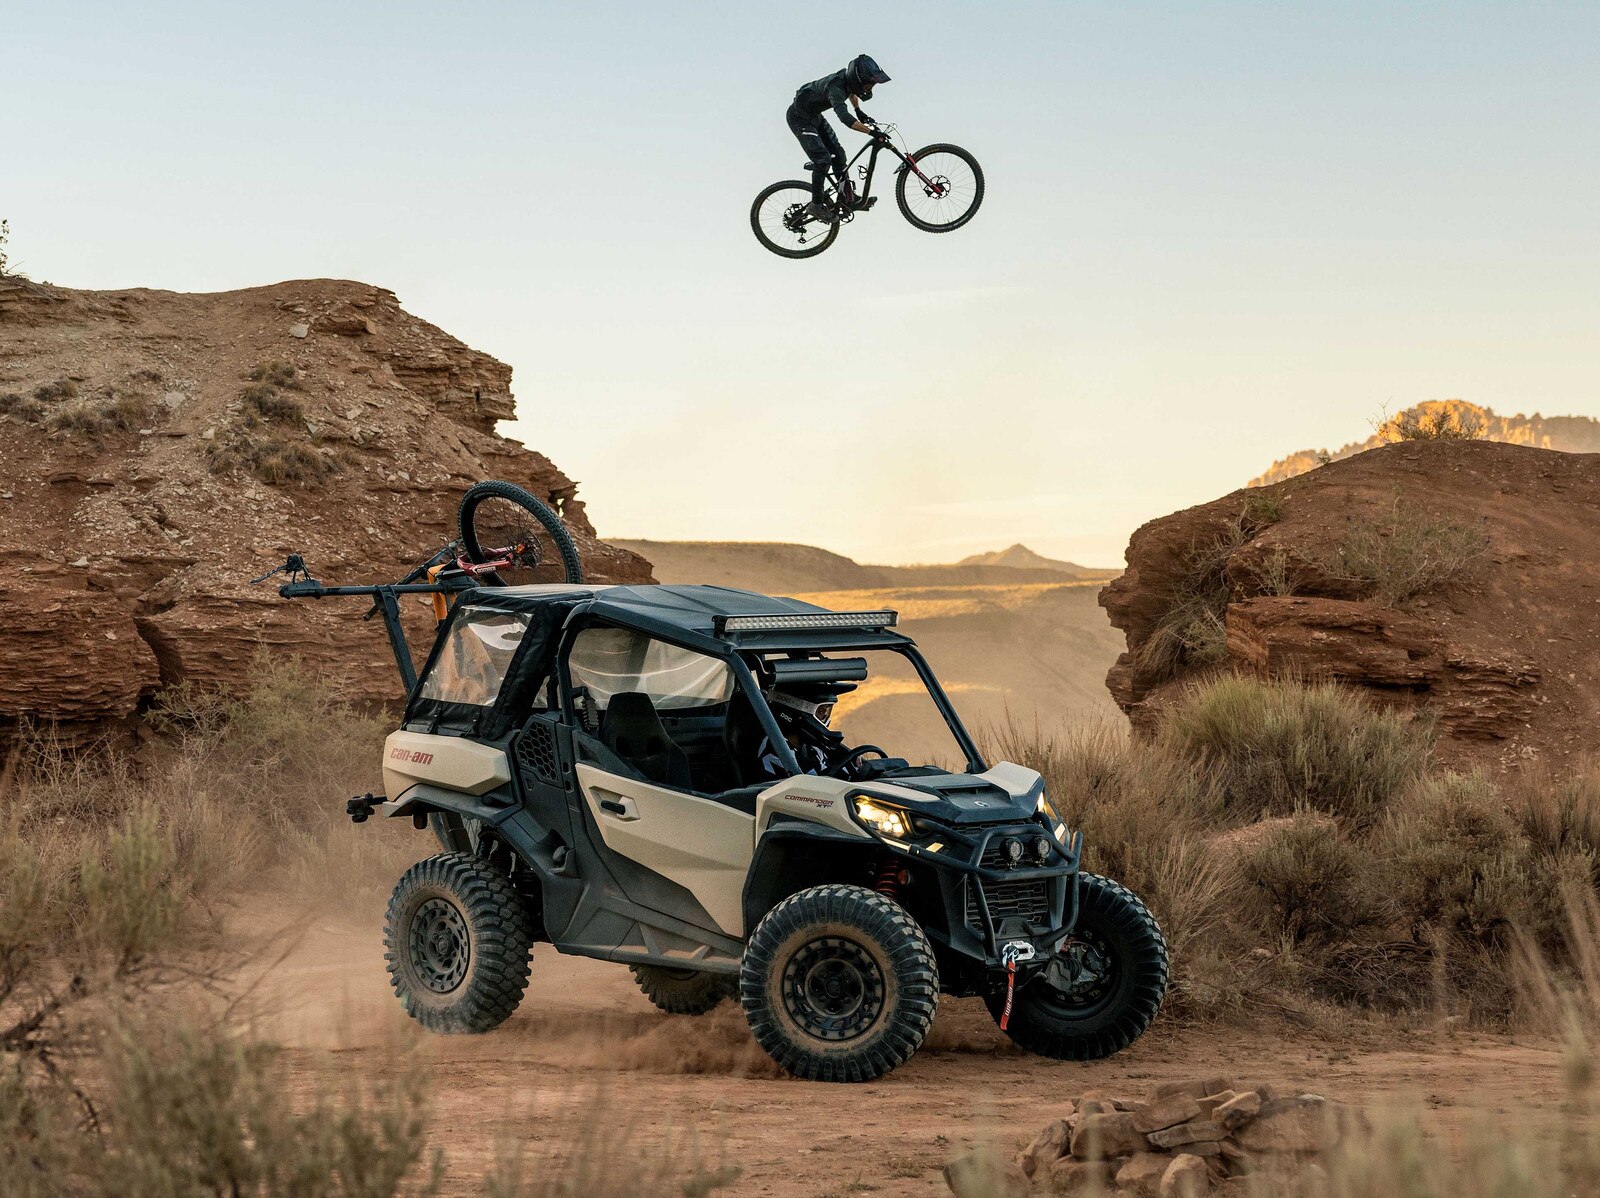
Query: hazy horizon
point(1214, 235)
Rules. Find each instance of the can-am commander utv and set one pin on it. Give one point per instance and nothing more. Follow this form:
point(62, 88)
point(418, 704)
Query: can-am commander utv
point(647, 775)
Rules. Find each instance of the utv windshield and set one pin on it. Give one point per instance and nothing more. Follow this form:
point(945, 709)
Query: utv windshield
point(472, 665)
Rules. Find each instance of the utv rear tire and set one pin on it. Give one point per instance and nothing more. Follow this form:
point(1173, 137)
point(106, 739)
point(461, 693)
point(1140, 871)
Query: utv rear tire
point(1102, 1018)
point(684, 991)
point(839, 984)
point(457, 938)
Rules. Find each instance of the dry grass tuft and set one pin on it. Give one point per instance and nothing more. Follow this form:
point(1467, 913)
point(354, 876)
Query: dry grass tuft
point(273, 459)
point(1409, 554)
point(1272, 747)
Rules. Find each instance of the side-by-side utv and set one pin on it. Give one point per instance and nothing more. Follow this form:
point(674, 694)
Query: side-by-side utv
point(649, 775)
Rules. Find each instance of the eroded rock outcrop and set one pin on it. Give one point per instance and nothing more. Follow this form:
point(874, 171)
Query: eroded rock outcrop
point(157, 450)
point(1500, 638)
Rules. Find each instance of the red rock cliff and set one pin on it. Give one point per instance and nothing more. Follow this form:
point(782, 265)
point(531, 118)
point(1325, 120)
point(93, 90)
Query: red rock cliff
point(1506, 652)
point(140, 487)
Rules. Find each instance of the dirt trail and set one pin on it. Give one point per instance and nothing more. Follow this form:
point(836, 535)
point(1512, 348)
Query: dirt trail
point(586, 1048)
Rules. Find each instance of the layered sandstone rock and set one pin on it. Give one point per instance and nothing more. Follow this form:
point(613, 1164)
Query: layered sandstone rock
point(1505, 651)
point(128, 537)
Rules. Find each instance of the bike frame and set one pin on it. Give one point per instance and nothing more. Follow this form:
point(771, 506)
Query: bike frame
point(874, 148)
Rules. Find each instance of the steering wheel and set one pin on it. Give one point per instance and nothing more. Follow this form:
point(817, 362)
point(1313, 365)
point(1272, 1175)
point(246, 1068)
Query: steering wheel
point(837, 770)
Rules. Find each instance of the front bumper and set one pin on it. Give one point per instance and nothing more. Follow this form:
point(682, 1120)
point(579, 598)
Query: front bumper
point(989, 904)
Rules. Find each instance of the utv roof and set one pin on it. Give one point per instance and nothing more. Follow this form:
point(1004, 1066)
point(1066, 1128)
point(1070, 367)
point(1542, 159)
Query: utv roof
point(707, 617)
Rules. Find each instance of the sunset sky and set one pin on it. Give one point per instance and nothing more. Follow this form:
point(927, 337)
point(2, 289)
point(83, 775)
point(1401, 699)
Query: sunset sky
point(1214, 233)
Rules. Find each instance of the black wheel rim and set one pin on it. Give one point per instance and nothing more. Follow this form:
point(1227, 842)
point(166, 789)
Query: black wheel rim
point(440, 950)
point(950, 192)
point(1082, 979)
point(782, 221)
point(503, 529)
point(833, 989)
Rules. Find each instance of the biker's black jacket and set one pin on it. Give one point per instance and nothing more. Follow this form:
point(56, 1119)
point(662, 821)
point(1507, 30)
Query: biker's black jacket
point(831, 91)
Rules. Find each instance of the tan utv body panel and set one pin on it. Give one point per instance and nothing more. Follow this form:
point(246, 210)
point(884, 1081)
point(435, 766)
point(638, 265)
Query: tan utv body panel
point(703, 846)
point(1016, 780)
point(825, 801)
point(452, 762)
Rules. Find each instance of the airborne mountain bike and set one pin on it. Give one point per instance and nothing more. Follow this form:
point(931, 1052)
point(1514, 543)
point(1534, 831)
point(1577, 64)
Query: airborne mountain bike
point(938, 190)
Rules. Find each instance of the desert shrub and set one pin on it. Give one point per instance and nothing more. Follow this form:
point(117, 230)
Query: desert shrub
point(21, 406)
point(58, 390)
point(1434, 422)
point(1277, 574)
point(88, 912)
point(1458, 861)
point(1310, 884)
point(1261, 509)
point(5, 248)
point(1559, 813)
point(272, 459)
point(1275, 746)
point(275, 374)
point(263, 402)
point(187, 1108)
point(1193, 630)
point(95, 417)
point(1409, 553)
point(284, 742)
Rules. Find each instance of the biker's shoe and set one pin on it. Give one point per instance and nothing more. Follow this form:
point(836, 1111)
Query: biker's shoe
point(822, 212)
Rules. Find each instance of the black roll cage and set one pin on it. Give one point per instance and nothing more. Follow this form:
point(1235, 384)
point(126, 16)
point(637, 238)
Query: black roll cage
point(750, 688)
point(732, 651)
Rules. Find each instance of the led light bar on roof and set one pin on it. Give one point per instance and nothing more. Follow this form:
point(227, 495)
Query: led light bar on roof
point(806, 621)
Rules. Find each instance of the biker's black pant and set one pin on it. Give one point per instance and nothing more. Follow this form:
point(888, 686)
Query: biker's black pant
point(821, 144)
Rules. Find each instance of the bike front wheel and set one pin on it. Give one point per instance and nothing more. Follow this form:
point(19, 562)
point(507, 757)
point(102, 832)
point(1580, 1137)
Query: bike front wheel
point(947, 193)
point(502, 523)
point(778, 219)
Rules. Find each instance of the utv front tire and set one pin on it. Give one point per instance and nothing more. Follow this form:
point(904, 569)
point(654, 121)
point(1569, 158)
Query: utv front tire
point(1103, 991)
point(457, 938)
point(839, 984)
point(684, 991)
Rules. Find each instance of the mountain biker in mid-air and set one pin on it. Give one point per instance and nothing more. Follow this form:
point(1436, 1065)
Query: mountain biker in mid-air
point(816, 136)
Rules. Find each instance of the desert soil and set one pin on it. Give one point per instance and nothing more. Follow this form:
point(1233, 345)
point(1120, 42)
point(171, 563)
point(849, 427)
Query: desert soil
point(587, 1055)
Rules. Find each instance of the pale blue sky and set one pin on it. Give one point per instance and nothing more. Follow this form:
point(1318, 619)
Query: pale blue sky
point(1214, 233)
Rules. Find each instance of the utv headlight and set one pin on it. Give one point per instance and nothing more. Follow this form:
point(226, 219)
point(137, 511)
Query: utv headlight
point(1058, 826)
point(881, 818)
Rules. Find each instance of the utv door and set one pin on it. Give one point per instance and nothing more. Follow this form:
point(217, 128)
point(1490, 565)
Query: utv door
point(698, 845)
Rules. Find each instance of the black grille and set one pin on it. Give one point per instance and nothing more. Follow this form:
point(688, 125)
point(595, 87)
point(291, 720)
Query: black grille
point(1028, 898)
point(536, 751)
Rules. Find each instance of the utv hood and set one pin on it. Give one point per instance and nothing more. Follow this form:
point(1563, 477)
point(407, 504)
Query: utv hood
point(1003, 794)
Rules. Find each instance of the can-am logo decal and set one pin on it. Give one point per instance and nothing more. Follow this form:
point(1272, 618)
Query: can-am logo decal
point(414, 756)
point(820, 804)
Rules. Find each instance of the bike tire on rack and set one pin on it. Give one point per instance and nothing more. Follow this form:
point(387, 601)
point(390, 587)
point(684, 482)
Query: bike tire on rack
point(480, 493)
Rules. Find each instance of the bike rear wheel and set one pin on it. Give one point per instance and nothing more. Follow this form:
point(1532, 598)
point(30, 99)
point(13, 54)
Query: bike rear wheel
point(502, 522)
point(779, 222)
point(950, 197)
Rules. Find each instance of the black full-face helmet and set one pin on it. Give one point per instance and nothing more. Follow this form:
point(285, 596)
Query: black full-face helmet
point(865, 74)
